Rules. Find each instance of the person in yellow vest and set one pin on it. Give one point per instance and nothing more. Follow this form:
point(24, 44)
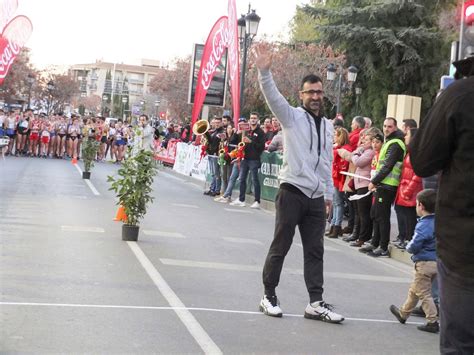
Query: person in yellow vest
point(385, 184)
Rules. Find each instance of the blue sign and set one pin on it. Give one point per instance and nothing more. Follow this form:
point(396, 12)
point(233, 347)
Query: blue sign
point(446, 80)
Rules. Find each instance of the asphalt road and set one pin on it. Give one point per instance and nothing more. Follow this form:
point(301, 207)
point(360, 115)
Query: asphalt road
point(191, 284)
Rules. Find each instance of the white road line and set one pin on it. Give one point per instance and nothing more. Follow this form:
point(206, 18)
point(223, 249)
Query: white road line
point(326, 247)
point(193, 326)
point(184, 205)
point(163, 234)
point(236, 210)
point(257, 268)
point(201, 309)
point(82, 229)
point(243, 240)
point(88, 183)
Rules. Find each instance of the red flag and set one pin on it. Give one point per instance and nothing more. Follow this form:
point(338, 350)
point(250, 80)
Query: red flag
point(214, 49)
point(13, 38)
point(233, 60)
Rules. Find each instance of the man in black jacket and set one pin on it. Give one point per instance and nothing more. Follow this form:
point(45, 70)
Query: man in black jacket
point(214, 139)
point(254, 145)
point(445, 141)
point(385, 184)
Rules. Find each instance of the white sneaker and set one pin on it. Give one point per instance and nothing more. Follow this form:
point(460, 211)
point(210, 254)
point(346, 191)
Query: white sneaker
point(270, 306)
point(322, 311)
point(255, 205)
point(237, 203)
point(222, 199)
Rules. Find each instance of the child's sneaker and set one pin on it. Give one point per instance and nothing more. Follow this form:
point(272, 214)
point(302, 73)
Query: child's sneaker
point(270, 306)
point(396, 312)
point(432, 327)
point(322, 311)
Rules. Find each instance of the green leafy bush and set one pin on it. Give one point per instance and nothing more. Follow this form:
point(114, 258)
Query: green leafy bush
point(89, 151)
point(133, 186)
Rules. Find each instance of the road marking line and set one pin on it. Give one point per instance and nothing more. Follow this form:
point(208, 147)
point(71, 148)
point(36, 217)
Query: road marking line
point(82, 229)
point(326, 247)
point(88, 183)
point(163, 234)
point(193, 326)
point(184, 205)
point(242, 240)
point(235, 210)
point(257, 268)
point(217, 310)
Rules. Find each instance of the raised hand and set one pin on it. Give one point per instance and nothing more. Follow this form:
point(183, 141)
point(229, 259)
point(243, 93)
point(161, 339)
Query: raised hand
point(263, 58)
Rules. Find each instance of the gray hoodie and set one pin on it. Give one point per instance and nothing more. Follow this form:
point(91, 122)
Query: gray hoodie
point(302, 166)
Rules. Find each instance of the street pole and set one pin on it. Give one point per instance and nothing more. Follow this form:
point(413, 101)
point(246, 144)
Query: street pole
point(248, 27)
point(339, 85)
point(242, 74)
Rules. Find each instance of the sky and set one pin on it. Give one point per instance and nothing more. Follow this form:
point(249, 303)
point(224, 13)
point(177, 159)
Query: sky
point(69, 32)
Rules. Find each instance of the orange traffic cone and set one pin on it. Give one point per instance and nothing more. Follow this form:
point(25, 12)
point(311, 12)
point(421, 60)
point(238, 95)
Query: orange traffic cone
point(74, 160)
point(121, 215)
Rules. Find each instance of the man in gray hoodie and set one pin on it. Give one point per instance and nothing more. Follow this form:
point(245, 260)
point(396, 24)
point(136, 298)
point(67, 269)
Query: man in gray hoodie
point(306, 190)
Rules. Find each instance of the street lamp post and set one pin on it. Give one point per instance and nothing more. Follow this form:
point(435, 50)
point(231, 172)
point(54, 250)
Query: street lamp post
point(358, 92)
point(124, 102)
point(248, 27)
point(31, 80)
point(50, 87)
point(104, 103)
point(331, 76)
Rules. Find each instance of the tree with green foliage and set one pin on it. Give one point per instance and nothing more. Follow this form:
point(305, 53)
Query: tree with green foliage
point(397, 45)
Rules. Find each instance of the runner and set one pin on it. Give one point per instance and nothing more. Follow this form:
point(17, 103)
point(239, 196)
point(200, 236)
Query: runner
point(11, 132)
point(74, 132)
point(120, 141)
point(111, 137)
point(52, 120)
point(46, 129)
point(61, 131)
point(35, 127)
point(23, 126)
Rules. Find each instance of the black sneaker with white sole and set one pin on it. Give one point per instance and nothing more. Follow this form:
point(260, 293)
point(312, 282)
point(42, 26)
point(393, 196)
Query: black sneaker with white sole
point(270, 306)
point(322, 311)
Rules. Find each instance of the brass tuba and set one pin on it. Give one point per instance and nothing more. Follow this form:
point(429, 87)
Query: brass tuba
point(200, 128)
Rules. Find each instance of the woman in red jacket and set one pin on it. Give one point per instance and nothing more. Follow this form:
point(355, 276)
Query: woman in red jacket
point(405, 201)
point(341, 140)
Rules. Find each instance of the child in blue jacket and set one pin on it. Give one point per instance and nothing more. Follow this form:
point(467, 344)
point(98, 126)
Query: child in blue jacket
point(423, 248)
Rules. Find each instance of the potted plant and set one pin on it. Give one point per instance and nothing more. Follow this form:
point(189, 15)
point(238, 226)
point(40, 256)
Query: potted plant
point(89, 152)
point(133, 187)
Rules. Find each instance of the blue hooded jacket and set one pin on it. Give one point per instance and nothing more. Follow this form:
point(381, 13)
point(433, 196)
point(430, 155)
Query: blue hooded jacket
point(423, 243)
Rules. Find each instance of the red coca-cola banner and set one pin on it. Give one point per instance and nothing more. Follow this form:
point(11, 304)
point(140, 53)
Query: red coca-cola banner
point(214, 49)
point(13, 37)
point(233, 59)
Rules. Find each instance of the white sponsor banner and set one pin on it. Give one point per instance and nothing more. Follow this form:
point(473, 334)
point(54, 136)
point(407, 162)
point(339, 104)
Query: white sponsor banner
point(188, 161)
point(182, 155)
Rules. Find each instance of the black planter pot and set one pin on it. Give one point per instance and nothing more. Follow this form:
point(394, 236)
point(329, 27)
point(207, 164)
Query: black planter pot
point(86, 175)
point(129, 232)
